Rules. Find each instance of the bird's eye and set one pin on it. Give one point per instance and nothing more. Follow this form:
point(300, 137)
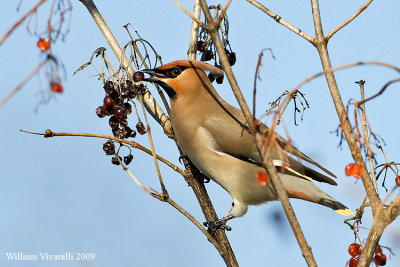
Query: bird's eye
point(176, 71)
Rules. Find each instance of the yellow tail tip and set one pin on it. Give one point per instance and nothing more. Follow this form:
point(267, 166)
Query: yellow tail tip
point(345, 212)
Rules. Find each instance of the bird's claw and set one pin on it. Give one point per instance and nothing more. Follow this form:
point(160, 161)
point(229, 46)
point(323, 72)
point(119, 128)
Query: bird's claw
point(213, 226)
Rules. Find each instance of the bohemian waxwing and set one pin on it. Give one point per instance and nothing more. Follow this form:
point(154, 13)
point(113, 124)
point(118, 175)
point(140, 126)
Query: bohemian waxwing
point(211, 133)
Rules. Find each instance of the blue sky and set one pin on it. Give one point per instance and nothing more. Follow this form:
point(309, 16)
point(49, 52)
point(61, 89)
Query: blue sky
point(62, 194)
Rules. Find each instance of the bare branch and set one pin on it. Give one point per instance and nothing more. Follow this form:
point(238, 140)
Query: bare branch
point(329, 35)
point(281, 21)
point(194, 34)
point(189, 14)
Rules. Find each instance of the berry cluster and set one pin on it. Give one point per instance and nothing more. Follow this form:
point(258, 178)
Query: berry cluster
point(354, 170)
point(116, 105)
point(355, 251)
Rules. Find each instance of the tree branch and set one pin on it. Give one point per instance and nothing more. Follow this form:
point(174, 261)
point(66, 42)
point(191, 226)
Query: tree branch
point(329, 35)
point(281, 21)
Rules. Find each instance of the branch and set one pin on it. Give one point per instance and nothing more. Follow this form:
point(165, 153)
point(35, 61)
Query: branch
point(194, 18)
point(281, 21)
point(276, 182)
point(329, 35)
point(194, 34)
point(133, 144)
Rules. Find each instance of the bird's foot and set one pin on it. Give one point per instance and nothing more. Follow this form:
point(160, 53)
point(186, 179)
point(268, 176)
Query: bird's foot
point(213, 226)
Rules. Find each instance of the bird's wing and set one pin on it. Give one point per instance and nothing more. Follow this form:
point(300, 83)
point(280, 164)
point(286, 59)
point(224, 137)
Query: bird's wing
point(226, 128)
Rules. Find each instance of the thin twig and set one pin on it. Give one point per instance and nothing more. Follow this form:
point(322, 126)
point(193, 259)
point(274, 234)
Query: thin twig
point(223, 12)
point(190, 14)
point(281, 21)
point(130, 143)
point(32, 10)
point(366, 137)
point(153, 151)
point(194, 33)
point(329, 35)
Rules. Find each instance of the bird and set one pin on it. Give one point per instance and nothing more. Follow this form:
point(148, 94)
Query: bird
point(213, 135)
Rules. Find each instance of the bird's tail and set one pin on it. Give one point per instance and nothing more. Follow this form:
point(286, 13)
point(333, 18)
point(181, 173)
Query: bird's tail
point(336, 206)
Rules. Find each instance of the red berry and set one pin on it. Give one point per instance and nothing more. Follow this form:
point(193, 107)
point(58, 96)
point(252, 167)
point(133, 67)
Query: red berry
point(358, 170)
point(108, 102)
point(43, 44)
point(353, 262)
point(397, 180)
point(56, 87)
point(349, 169)
point(380, 259)
point(378, 249)
point(262, 179)
point(354, 249)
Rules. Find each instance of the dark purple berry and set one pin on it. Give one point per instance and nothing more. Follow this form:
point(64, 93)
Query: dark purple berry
point(115, 161)
point(141, 128)
point(109, 147)
point(201, 46)
point(138, 76)
point(220, 79)
point(130, 132)
point(108, 87)
point(123, 120)
point(231, 58)
point(119, 133)
point(209, 55)
point(119, 112)
point(114, 123)
point(211, 77)
point(101, 112)
point(128, 159)
point(108, 102)
point(128, 108)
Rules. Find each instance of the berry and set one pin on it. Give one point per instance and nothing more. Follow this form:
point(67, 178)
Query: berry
point(128, 159)
point(138, 76)
point(358, 171)
point(114, 123)
point(380, 259)
point(209, 55)
point(109, 147)
point(350, 169)
point(128, 108)
point(108, 87)
point(220, 79)
point(115, 161)
point(119, 133)
point(56, 87)
point(101, 112)
point(378, 249)
point(231, 58)
point(201, 46)
point(353, 262)
point(43, 44)
point(262, 179)
point(397, 180)
point(141, 128)
point(123, 120)
point(354, 249)
point(108, 102)
point(354, 170)
point(211, 77)
point(130, 132)
point(119, 112)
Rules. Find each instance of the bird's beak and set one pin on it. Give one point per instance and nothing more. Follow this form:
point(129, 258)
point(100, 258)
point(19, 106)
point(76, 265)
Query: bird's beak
point(155, 76)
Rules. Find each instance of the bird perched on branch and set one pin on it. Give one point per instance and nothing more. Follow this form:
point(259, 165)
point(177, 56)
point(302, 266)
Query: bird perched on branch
point(214, 135)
